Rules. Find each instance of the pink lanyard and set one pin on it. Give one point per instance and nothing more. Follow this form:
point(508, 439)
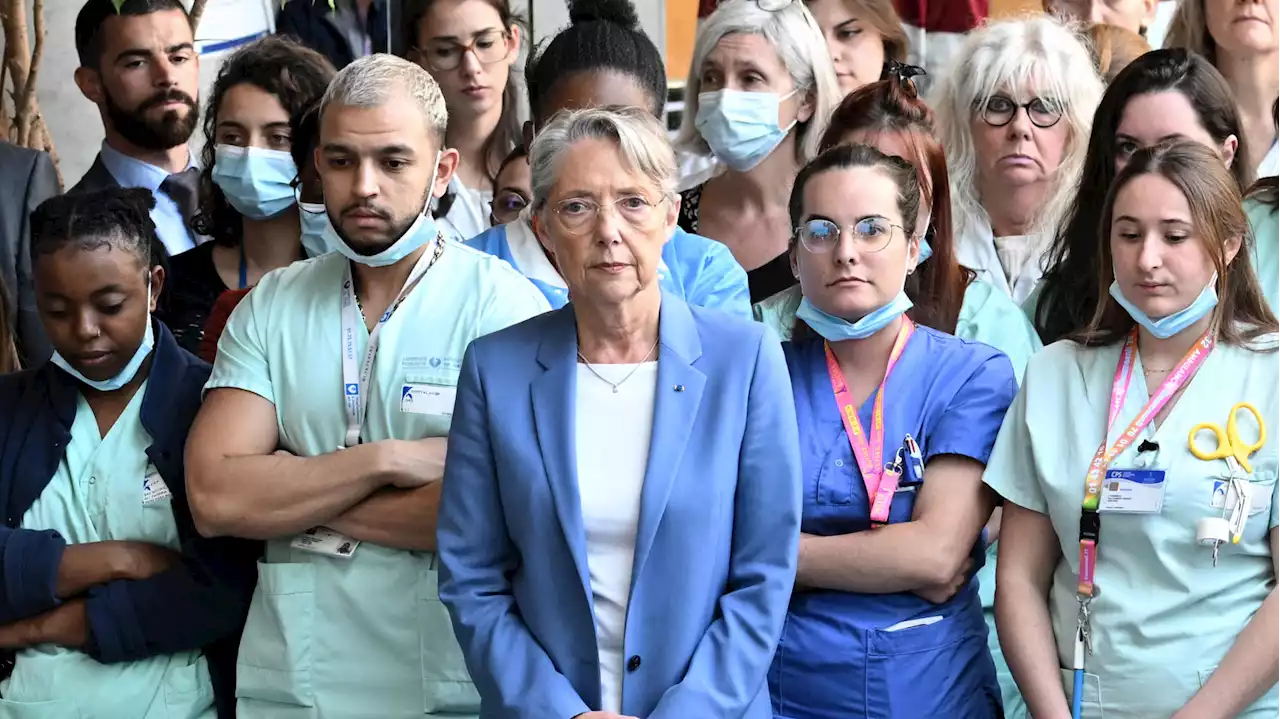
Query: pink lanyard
point(881, 482)
point(1181, 374)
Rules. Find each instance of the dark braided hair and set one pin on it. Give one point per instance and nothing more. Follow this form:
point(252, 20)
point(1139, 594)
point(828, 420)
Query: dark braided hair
point(295, 75)
point(117, 217)
point(603, 36)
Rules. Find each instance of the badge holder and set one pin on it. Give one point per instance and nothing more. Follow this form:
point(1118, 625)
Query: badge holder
point(322, 540)
point(1228, 526)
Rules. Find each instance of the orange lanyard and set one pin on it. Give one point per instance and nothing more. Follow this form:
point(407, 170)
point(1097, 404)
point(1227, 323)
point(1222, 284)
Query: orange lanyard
point(881, 482)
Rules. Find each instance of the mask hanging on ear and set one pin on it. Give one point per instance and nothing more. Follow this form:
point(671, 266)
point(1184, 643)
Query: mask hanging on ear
point(1170, 325)
point(124, 376)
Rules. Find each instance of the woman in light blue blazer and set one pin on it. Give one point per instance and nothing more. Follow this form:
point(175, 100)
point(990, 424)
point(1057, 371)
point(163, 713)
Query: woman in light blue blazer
point(620, 517)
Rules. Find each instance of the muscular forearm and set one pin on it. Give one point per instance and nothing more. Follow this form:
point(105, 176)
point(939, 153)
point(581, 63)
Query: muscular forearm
point(391, 517)
point(1248, 670)
point(895, 558)
point(66, 626)
point(276, 495)
point(87, 565)
point(1026, 638)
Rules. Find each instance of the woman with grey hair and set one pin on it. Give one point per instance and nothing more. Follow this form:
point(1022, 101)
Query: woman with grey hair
point(760, 90)
point(620, 516)
point(1014, 117)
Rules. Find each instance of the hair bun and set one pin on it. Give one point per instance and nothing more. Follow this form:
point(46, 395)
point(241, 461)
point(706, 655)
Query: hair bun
point(618, 12)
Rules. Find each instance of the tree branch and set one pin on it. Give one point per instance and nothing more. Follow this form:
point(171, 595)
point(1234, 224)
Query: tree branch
point(29, 112)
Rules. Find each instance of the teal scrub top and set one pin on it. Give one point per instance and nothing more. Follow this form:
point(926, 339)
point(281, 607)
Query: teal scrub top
point(106, 489)
point(334, 637)
point(1266, 248)
point(1165, 616)
point(986, 315)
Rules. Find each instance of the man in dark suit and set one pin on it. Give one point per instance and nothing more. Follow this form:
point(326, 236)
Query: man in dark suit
point(27, 178)
point(341, 30)
point(139, 65)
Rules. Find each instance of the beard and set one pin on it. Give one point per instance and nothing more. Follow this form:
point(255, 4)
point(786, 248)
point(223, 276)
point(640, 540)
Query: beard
point(397, 227)
point(169, 131)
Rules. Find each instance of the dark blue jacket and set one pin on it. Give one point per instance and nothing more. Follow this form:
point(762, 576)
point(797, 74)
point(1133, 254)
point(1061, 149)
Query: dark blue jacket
point(201, 603)
point(309, 22)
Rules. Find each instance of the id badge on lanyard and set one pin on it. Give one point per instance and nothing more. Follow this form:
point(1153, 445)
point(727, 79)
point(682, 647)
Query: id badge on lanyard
point(880, 481)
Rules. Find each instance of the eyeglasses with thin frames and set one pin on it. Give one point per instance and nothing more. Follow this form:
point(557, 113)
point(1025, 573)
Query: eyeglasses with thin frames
point(870, 234)
point(489, 47)
point(1000, 110)
point(578, 215)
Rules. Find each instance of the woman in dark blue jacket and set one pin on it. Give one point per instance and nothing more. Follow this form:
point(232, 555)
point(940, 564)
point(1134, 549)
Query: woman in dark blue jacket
point(111, 604)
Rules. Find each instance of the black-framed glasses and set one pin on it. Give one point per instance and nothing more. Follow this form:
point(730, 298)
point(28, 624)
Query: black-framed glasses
point(578, 215)
point(999, 110)
point(489, 47)
point(870, 234)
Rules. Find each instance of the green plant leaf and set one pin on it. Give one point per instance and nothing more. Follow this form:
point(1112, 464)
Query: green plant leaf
point(119, 4)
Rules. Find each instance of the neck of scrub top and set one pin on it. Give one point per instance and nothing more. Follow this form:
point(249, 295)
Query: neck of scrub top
point(619, 332)
point(1160, 354)
point(378, 287)
point(273, 242)
point(868, 356)
point(1012, 210)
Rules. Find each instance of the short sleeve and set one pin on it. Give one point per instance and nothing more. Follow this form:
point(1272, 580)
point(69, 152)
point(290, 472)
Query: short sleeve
point(1011, 471)
point(242, 350)
point(512, 300)
point(971, 420)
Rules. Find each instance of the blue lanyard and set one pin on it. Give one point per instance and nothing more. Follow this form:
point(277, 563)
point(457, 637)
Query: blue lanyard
point(244, 268)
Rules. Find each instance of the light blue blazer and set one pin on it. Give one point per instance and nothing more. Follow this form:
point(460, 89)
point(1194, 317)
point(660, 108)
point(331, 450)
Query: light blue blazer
point(717, 540)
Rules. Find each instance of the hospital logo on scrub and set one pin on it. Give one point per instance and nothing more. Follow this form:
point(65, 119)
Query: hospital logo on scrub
point(352, 389)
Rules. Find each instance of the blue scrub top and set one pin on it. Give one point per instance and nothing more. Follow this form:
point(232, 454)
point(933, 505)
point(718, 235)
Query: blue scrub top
point(699, 271)
point(837, 655)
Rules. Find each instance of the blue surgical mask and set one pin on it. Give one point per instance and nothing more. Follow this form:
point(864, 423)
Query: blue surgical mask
point(838, 329)
point(1168, 326)
point(315, 222)
point(926, 251)
point(741, 128)
point(423, 230)
point(257, 182)
point(126, 375)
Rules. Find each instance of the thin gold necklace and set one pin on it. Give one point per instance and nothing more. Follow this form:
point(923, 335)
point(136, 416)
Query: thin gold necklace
point(616, 385)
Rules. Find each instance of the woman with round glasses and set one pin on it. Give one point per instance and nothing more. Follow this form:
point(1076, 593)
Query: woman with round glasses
point(470, 47)
point(1014, 117)
point(886, 619)
point(621, 506)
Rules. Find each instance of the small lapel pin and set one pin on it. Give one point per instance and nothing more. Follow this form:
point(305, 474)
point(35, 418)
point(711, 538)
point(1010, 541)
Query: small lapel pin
point(679, 388)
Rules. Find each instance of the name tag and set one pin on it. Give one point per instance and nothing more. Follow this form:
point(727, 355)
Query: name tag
point(1132, 491)
point(322, 540)
point(153, 487)
point(428, 399)
point(1224, 495)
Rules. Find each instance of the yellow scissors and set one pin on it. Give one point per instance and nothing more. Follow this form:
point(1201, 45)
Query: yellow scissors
point(1230, 447)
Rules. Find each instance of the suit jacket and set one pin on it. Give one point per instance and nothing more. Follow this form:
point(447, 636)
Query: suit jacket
point(716, 543)
point(310, 23)
point(97, 178)
point(27, 178)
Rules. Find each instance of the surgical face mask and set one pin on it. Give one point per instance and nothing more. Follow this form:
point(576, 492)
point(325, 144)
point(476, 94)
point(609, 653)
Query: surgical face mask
point(838, 329)
point(315, 222)
point(423, 230)
point(257, 182)
point(741, 128)
point(126, 375)
point(1168, 326)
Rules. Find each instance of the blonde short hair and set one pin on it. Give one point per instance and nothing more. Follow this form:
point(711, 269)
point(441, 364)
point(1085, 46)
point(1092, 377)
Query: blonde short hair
point(370, 81)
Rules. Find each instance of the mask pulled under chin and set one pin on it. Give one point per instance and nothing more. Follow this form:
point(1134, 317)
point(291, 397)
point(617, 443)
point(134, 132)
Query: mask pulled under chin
point(124, 376)
point(1170, 325)
point(423, 230)
point(838, 329)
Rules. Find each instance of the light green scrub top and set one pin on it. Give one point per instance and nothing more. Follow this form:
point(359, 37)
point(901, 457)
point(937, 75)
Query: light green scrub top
point(106, 489)
point(986, 315)
point(366, 635)
point(1164, 616)
point(1266, 249)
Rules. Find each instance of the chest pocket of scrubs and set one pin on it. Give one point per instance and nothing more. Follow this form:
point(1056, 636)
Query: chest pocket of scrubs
point(277, 666)
point(446, 685)
point(38, 710)
point(430, 396)
point(188, 692)
point(1091, 701)
point(838, 473)
point(155, 501)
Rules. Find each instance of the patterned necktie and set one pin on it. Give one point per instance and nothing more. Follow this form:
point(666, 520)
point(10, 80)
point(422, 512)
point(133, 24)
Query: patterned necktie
point(184, 189)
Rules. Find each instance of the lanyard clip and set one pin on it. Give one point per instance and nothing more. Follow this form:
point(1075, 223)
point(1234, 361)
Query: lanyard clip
point(1083, 623)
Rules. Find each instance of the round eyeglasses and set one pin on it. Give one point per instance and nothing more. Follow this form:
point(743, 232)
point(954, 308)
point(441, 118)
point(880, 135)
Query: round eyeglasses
point(507, 206)
point(578, 215)
point(1000, 110)
point(870, 234)
point(489, 47)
